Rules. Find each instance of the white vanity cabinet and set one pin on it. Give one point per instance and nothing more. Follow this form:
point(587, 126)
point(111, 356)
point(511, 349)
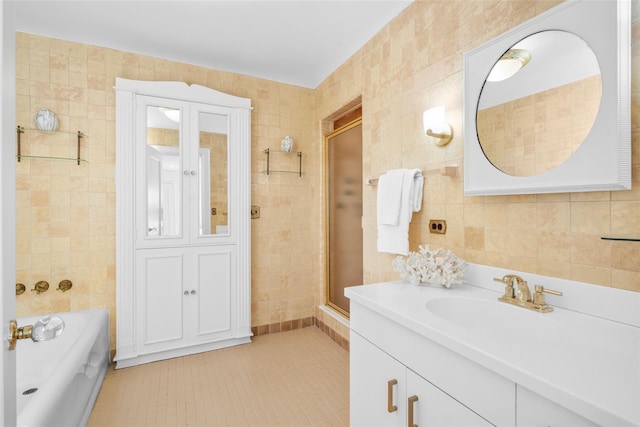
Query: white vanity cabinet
point(384, 392)
point(451, 389)
point(534, 410)
point(183, 239)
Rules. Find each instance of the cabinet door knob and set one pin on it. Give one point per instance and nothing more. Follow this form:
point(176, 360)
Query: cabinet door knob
point(193, 292)
point(193, 173)
point(413, 399)
point(186, 292)
point(186, 172)
point(390, 406)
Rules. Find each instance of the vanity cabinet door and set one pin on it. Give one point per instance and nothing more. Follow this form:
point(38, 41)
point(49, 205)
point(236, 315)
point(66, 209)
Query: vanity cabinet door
point(534, 410)
point(375, 378)
point(434, 407)
point(384, 392)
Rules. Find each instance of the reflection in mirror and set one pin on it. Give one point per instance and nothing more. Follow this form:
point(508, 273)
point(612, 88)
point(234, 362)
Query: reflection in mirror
point(534, 120)
point(214, 198)
point(163, 171)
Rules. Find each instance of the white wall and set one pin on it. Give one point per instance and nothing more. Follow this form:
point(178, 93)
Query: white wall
point(7, 207)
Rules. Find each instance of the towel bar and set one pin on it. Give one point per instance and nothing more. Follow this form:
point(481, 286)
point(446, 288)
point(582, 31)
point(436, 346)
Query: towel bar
point(451, 170)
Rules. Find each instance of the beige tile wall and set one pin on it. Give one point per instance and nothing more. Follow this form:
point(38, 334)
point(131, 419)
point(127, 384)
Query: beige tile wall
point(416, 63)
point(66, 224)
point(66, 213)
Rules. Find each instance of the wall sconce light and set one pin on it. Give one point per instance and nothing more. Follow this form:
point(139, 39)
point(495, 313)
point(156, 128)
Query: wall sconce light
point(436, 127)
point(509, 64)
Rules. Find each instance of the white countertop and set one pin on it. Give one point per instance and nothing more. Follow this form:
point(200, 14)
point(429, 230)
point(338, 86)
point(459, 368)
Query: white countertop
point(587, 364)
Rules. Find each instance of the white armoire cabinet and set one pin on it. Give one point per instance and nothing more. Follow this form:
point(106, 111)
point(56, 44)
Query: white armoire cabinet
point(183, 220)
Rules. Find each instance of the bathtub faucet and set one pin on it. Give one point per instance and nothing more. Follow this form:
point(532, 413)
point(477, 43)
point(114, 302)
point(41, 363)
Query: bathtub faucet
point(44, 329)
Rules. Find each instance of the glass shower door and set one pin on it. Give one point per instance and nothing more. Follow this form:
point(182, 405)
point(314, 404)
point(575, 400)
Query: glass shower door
point(344, 149)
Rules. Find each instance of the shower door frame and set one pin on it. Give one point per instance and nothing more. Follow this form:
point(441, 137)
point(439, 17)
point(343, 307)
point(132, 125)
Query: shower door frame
point(344, 128)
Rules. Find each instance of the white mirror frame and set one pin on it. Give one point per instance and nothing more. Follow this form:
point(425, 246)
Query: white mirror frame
point(603, 160)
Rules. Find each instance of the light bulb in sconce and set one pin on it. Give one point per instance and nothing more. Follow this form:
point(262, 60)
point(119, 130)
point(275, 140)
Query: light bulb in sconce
point(171, 113)
point(436, 127)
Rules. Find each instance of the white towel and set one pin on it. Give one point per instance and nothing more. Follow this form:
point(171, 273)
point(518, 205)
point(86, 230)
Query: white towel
point(395, 238)
point(390, 197)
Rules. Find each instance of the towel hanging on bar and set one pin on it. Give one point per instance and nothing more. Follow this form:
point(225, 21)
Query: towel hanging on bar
point(394, 238)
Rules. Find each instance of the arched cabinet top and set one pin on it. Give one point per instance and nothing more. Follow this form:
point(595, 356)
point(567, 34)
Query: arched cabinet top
point(182, 91)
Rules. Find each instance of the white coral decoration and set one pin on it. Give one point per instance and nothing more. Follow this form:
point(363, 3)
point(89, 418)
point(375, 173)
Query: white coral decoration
point(439, 266)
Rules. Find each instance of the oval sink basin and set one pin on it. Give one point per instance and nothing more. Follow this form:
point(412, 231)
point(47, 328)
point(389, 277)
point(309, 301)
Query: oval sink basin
point(493, 317)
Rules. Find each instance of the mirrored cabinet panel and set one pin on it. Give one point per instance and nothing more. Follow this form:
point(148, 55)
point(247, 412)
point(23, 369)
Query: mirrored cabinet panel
point(185, 181)
point(162, 194)
point(213, 212)
point(163, 183)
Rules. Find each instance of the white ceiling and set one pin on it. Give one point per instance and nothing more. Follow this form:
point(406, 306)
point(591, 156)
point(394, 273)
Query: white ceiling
point(300, 42)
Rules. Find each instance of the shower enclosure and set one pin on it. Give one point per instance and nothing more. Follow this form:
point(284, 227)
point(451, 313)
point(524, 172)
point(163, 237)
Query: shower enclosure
point(344, 187)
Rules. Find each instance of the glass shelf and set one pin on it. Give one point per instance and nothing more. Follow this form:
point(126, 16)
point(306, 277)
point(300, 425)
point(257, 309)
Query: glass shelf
point(52, 132)
point(20, 130)
point(73, 159)
point(622, 238)
point(269, 170)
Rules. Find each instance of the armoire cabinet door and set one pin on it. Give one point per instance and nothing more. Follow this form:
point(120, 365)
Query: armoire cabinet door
point(211, 154)
point(185, 296)
point(184, 188)
point(159, 299)
point(211, 276)
point(162, 189)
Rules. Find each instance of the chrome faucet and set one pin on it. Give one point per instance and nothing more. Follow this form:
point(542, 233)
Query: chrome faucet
point(522, 297)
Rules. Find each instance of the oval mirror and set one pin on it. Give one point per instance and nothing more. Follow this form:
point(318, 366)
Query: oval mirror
point(538, 103)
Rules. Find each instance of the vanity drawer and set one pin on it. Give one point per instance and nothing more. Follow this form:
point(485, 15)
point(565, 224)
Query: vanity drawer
point(483, 391)
point(536, 411)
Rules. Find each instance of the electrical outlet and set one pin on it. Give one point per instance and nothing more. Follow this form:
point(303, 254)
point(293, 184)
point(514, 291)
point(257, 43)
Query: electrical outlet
point(255, 212)
point(214, 211)
point(438, 226)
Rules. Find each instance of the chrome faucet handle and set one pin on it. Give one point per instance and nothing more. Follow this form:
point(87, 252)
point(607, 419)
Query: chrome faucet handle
point(523, 294)
point(507, 281)
point(538, 296)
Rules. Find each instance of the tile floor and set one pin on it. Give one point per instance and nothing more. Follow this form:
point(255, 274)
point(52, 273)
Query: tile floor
point(294, 378)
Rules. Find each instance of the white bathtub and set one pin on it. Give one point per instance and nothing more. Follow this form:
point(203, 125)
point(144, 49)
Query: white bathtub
point(67, 371)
